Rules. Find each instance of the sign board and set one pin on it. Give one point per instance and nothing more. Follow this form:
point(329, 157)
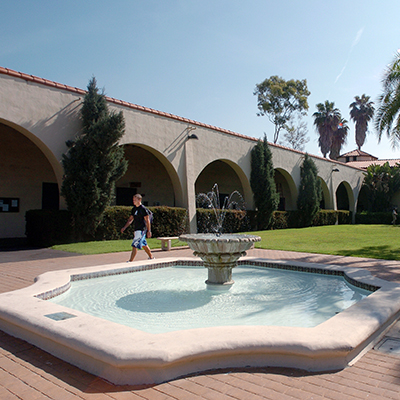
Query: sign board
point(9, 204)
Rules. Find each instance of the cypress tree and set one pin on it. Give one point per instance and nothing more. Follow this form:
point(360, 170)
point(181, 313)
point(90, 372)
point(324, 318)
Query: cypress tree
point(310, 191)
point(262, 183)
point(93, 163)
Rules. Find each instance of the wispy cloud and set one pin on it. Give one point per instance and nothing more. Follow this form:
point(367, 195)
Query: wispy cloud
point(354, 44)
point(357, 39)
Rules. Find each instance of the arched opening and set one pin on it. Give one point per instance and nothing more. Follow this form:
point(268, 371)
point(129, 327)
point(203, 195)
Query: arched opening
point(286, 188)
point(363, 199)
point(224, 175)
point(325, 201)
point(151, 175)
point(27, 181)
point(342, 197)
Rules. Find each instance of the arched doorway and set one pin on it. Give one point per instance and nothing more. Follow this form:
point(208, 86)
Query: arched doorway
point(286, 188)
point(27, 181)
point(325, 201)
point(363, 199)
point(149, 174)
point(221, 173)
point(342, 197)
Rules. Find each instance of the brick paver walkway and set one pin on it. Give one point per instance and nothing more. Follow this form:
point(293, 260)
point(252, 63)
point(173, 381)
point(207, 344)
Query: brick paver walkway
point(29, 373)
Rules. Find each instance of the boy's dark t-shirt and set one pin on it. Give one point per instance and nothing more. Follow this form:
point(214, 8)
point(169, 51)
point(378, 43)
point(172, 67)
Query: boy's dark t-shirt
point(138, 214)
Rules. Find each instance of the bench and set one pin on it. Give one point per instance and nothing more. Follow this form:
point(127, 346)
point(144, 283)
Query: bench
point(166, 242)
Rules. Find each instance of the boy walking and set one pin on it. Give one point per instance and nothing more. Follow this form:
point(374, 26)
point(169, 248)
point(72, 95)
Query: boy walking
point(140, 216)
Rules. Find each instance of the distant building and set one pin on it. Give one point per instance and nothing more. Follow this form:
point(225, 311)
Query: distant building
point(361, 159)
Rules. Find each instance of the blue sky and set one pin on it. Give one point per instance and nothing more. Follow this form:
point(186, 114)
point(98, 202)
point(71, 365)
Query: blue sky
point(202, 59)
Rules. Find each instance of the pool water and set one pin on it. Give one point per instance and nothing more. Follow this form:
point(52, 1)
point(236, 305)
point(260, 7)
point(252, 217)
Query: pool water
point(175, 298)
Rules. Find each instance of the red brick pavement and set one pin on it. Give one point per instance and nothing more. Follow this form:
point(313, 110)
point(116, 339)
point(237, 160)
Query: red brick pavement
point(29, 373)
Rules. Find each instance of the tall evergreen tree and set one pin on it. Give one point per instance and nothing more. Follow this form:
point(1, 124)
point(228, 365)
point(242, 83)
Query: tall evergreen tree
point(310, 191)
point(262, 183)
point(93, 163)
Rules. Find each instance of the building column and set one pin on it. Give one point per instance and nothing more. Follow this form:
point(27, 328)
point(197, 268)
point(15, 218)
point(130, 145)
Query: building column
point(333, 192)
point(190, 183)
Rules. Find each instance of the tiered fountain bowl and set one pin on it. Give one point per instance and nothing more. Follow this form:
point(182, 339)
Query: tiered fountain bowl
point(220, 254)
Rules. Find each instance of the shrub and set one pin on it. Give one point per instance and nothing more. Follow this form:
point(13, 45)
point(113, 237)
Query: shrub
point(46, 228)
point(280, 220)
point(168, 221)
point(234, 221)
point(367, 218)
point(344, 217)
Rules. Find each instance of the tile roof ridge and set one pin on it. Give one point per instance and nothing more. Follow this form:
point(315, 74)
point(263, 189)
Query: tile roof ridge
point(358, 152)
point(33, 78)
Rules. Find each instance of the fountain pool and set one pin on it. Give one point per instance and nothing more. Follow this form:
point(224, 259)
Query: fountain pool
point(126, 355)
point(174, 298)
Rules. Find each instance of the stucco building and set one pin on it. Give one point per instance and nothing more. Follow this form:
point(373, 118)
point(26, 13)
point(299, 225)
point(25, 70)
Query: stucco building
point(167, 164)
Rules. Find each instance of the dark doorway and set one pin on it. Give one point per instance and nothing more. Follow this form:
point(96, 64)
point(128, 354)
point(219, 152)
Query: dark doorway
point(50, 196)
point(124, 196)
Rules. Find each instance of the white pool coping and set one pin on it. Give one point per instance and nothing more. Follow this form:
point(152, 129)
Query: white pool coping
point(123, 355)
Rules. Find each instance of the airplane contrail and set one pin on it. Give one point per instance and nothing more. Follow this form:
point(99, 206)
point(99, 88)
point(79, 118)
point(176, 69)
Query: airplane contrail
point(355, 42)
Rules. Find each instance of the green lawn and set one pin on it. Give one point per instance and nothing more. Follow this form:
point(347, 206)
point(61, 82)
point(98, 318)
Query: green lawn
point(371, 241)
point(109, 246)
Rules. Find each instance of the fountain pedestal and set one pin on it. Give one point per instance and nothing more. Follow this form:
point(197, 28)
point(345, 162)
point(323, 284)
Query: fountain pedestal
point(220, 254)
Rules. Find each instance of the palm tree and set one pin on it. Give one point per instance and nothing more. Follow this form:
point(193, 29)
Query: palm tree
point(326, 121)
point(388, 113)
point(339, 138)
point(361, 112)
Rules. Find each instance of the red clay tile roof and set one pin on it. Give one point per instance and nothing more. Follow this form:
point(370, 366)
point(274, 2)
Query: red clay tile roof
point(357, 153)
point(366, 164)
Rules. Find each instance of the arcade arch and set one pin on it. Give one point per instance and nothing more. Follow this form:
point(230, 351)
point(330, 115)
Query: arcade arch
point(287, 190)
point(229, 177)
point(363, 199)
point(150, 174)
point(326, 196)
point(344, 197)
point(28, 180)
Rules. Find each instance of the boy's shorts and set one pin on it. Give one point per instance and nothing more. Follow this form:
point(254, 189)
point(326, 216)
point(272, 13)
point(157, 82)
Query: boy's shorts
point(139, 240)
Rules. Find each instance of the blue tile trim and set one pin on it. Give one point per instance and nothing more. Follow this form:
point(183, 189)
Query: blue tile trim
point(127, 270)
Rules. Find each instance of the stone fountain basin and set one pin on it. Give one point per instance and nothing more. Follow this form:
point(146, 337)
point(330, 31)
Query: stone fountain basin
point(206, 243)
point(124, 355)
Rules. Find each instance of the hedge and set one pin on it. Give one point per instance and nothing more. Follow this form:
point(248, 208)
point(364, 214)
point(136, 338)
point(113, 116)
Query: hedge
point(367, 217)
point(234, 221)
point(46, 228)
point(167, 221)
point(293, 219)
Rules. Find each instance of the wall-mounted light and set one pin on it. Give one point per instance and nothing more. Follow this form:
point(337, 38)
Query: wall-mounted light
point(192, 136)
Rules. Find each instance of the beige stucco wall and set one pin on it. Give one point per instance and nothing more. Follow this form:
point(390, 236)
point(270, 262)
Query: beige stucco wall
point(165, 161)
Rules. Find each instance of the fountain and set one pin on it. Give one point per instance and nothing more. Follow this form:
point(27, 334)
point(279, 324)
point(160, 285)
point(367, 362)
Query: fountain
point(220, 252)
